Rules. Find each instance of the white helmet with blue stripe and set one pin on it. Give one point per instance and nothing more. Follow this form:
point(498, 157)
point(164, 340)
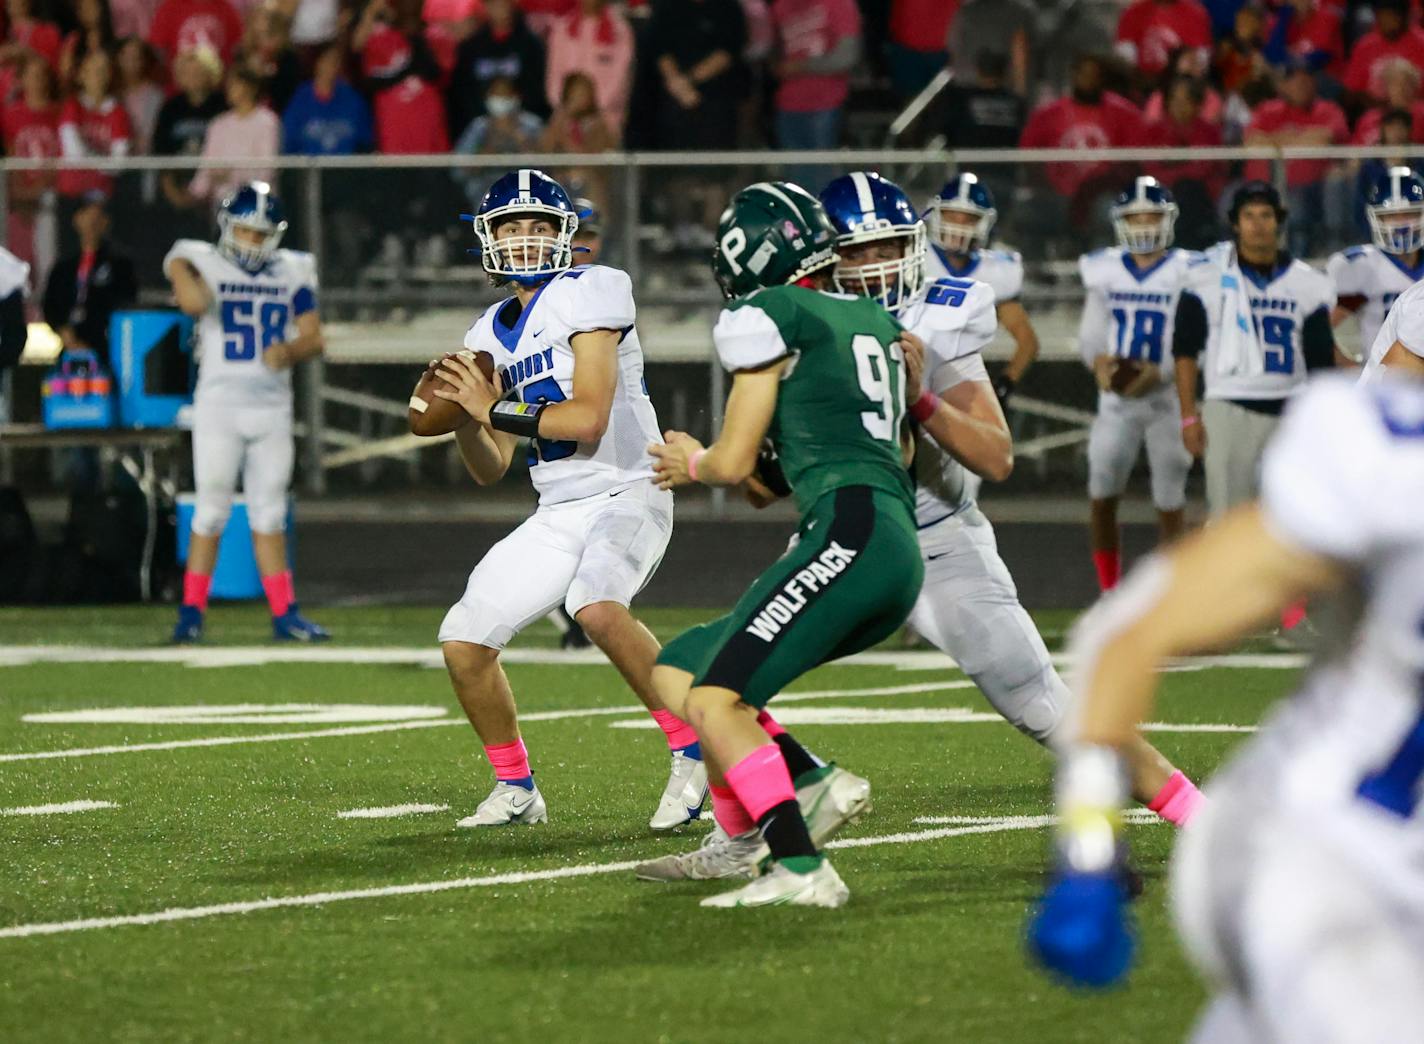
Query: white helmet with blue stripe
point(963, 194)
point(1146, 196)
point(1394, 206)
point(866, 208)
point(525, 258)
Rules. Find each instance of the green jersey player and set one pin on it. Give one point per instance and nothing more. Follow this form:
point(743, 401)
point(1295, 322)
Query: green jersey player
point(822, 375)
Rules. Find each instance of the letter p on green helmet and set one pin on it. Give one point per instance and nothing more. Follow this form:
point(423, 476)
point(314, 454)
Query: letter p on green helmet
point(771, 234)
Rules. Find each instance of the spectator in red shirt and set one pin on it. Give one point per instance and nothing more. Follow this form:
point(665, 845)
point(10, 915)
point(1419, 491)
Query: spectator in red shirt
point(1150, 30)
point(95, 32)
point(1089, 117)
point(28, 33)
point(1392, 37)
point(184, 25)
point(818, 43)
point(92, 123)
point(1197, 184)
point(31, 131)
point(1299, 117)
point(1309, 30)
point(1401, 91)
point(919, 42)
point(1187, 63)
point(1240, 59)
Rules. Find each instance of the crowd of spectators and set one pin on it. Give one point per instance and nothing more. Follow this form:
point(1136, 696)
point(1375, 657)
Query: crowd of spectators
point(247, 80)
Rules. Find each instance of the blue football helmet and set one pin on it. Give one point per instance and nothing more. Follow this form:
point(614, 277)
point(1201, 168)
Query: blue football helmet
point(866, 208)
point(256, 208)
point(963, 194)
point(1145, 196)
point(525, 259)
point(1394, 206)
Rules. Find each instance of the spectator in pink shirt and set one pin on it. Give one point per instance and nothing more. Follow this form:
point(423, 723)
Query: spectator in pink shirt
point(597, 41)
point(818, 44)
point(1299, 117)
point(247, 131)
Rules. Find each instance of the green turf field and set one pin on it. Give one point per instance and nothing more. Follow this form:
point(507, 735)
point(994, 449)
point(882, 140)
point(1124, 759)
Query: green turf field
point(406, 928)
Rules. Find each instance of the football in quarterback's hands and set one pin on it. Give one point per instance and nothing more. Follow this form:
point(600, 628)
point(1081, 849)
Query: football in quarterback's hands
point(431, 415)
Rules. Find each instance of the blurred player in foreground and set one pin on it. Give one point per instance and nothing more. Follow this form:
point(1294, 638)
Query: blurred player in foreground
point(569, 368)
point(1299, 891)
point(1368, 278)
point(257, 316)
point(1125, 338)
point(969, 607)
point(822, 374)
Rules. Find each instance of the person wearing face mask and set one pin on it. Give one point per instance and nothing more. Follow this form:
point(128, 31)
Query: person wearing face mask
point(505, 127)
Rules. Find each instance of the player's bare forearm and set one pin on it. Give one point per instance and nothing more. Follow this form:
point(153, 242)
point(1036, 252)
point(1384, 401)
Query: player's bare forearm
point(732, 459)
point(1214, 588)
point(485, 452)
point(714, 64)
point(1014, 319)
point(969, 425)
point(583, 417)
point(1400, 359)
point(308, 344)
point(1186, 371)
point(189, 290)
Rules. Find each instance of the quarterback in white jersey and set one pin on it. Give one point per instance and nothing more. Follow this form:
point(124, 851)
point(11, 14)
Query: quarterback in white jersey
point(968, 607)
point(569, 378)
point(1252, 322)
point(1368, 278)
point(256, 309)
point(1398, 347)
point(1299, 891)
point(1125, 338)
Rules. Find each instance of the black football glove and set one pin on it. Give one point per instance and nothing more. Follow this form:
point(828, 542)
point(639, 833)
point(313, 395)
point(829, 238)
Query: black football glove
point(1003, 388)
point(768, 470)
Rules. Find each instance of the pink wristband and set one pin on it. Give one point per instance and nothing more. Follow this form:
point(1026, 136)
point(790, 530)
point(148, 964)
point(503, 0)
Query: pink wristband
point(922, 409)
point(1187, 422)
point(692, 464)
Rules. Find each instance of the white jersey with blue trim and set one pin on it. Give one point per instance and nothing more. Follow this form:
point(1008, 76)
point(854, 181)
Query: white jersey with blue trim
point(1344, 479)
point(249, 313)
point(1130, 312)
point(1279, 304)
point(1367, 280)
point(534, 361)
point(1003, 270)
point(1404, 324)
point(956, 320)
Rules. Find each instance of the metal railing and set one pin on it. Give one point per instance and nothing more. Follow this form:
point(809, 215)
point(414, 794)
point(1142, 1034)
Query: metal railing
point(398, 322)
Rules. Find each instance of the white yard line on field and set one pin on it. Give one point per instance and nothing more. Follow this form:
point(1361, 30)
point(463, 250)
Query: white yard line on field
point(429, 656)
point(63, 808)
point(390, 811)
point(987, 825)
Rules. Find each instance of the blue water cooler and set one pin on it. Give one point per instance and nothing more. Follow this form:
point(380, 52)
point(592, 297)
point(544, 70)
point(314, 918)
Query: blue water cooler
point(152, 357)
point(235, 576)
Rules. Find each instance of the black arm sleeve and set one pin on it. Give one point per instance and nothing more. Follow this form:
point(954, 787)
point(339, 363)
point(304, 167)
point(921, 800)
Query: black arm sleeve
point(13, 331)
point(1189, 330)
point(1317, 340)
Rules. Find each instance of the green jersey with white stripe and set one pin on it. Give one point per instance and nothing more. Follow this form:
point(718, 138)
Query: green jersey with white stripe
point(842, 397)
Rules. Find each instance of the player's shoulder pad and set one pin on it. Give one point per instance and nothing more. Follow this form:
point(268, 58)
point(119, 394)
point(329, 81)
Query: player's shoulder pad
point(593, 297)
point(195, 251)
point(1004, 256)
point(481, 335)
point(955, 301)
point(749, 333)
point(14, 274)
point(300, 263)
point(1093, 266)
point(1354, 253)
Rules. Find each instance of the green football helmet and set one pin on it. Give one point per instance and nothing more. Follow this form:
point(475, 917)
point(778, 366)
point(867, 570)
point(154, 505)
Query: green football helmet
point(771, 234)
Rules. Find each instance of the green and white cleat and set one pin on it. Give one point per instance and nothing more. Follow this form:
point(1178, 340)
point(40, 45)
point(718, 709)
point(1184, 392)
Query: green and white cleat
point(830, 801)
point(783, 887)
point(508, 804)
point(718, 857)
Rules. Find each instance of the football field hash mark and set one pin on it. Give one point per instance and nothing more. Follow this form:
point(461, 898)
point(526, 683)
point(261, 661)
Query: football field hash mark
point(63, 808)
point(986, 825)
point(240, 714)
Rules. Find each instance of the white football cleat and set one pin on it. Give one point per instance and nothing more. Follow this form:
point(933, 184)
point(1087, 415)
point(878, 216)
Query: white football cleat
point(837, 798)
point(508, 804)
point(684, 794)
point(717, 858)
point(783, 887)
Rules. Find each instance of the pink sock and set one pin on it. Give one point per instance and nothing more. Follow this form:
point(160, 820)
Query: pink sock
point(760, 780)
point(1178, 800)
point(679, 733)
point(510, 760)
point(770, 725)
point(1109, 567)
point(729, 813)
point(1292, 615)
point(279, 592)
point(195, 590)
